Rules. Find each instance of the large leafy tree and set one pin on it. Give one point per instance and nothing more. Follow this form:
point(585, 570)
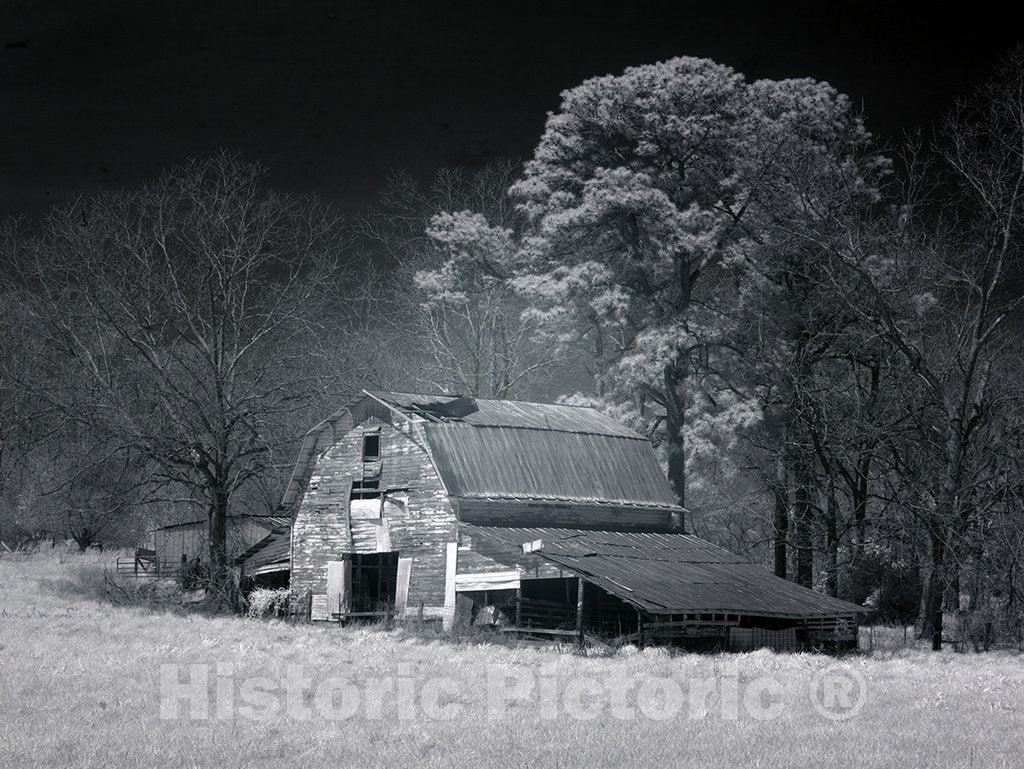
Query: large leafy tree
point(653, 196)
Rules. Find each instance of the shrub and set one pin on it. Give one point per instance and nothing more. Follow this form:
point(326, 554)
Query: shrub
point(264, 602)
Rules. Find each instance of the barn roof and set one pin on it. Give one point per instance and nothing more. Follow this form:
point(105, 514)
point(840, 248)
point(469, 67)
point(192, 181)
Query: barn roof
point(505, 413)
point(536, 452)
point(266, 521)
point(669, 573)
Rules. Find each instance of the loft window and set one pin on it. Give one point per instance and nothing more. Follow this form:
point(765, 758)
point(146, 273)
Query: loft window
point(366, 499)
point(371, 447)
point(366, 489)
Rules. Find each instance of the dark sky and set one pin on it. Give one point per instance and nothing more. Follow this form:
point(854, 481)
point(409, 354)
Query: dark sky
point(332, 95)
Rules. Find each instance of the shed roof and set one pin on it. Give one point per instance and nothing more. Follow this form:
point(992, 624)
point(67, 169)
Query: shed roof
point(266, 521)
point(272, 553)
point(670, 573)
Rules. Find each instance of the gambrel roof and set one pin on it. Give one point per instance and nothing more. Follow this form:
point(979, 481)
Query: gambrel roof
point(536, 452)
point(514, 451)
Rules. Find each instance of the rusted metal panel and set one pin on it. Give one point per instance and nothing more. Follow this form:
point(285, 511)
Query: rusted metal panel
point(670, 573)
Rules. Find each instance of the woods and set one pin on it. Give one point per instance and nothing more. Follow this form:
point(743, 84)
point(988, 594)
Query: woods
point(821, 338)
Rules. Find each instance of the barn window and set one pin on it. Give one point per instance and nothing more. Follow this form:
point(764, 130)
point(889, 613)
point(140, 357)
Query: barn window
point(371, 447)
point(366, 499)
point(366, 489)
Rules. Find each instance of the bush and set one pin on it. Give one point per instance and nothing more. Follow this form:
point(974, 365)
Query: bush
point(194, 575)
point(263, 602)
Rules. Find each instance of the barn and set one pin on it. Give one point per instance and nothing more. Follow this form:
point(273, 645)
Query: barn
point(542, 518)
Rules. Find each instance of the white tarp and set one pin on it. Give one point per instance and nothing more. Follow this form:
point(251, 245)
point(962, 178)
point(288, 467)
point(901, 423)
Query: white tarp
point(494, 580)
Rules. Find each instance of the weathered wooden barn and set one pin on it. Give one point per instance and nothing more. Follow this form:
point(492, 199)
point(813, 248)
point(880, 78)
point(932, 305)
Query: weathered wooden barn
point(550, 517)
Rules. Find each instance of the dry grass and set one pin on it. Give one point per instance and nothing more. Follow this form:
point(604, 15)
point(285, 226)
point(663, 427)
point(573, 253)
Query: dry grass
point(81, 687)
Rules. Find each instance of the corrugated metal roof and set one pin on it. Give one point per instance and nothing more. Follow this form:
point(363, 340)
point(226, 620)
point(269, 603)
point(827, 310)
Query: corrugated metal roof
point(517, 463)
point(504, 413)
point(671, 573)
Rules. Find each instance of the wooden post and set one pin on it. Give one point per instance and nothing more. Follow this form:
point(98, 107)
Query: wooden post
point(579, 610)
point(450, 568)
point(937, 632)
point(402, 588)
point(639, 629)
point(519, 606)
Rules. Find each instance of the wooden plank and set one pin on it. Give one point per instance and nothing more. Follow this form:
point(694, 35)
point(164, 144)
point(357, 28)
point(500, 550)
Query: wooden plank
point(538, 631)
point(451, 564)
point(383, 538)
point(318, 608)
point(402, 588)
point(339, 586)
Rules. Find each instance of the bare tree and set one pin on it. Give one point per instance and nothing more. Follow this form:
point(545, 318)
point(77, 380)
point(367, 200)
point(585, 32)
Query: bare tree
point(942, 293)
point(192, 315)
point(455, 314)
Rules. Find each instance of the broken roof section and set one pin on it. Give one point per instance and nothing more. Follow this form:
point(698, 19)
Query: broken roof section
point(668, 573)
point(536, 452)
point(448, 409)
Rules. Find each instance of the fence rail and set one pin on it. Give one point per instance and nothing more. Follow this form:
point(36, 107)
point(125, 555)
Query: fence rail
point(147, 567)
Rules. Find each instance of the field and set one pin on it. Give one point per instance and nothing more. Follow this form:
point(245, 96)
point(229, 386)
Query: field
point(88, 683)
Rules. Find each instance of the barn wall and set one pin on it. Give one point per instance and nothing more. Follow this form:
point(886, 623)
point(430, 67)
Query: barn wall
point(417, 519)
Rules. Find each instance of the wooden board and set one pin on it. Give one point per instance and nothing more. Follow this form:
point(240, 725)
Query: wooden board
point(451, 564)
point(339, 585)
point(402, 588)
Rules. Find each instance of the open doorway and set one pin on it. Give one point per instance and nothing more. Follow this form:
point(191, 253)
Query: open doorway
point(374, 580)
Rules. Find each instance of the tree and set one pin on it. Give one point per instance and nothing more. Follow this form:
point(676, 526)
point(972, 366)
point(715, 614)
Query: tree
point(192, 314)
point(648, 194)
point(941, 292)
point(455, 314)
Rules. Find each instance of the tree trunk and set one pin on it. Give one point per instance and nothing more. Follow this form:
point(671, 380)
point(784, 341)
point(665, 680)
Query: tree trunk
point(220, 581)
point(780, 523)
point(675, 411)
point(83, 538)
point(932, 585)
point(803, 514)
point(831, 539)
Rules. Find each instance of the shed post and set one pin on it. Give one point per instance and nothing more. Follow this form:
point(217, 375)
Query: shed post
point(639, 629)
point(519, 605)
point(579, 609)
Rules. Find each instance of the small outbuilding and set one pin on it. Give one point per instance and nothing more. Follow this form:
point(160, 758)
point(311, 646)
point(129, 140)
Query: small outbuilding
point(545, 519)
point(188, 541)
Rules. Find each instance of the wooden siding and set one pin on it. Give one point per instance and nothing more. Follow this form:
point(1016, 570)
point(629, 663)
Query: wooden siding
point(417, 519)
point(172, 542)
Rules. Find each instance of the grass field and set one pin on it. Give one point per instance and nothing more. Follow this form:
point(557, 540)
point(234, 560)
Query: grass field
point(87, 683)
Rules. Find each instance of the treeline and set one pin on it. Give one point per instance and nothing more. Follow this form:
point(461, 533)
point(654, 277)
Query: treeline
point(820, 338)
